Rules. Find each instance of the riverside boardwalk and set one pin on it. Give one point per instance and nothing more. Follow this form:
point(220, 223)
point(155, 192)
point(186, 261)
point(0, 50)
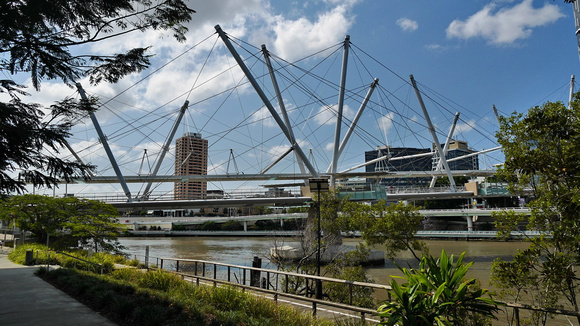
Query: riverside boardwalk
point(25, 299)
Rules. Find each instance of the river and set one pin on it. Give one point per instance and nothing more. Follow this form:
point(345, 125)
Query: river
point(240, 251)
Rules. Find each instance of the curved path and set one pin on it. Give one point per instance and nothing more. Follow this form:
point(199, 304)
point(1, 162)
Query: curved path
point(28, 300)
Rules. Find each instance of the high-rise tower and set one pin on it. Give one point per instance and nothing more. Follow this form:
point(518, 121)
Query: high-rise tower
point(190, 159)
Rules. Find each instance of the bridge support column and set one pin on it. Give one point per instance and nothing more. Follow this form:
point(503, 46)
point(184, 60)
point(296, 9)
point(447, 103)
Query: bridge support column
point(245, 226)
point(281, 223)
point(469, 223)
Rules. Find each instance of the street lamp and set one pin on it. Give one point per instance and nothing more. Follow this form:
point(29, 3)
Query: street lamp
point(320, 185)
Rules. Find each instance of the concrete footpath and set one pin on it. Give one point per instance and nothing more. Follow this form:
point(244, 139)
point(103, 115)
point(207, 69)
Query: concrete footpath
point(26, 299)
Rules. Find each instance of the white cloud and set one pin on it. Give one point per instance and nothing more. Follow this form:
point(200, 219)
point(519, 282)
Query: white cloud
point(464, 127)
point(276, 151)
point(329, 147)
point(218, 168)
point(506, 25)
point(264, 117)
point(327, 115)
point(254, 20)
point(435, 47)
point(330, 28)
point(408, 25)
point(146, 100)
point(386, 122)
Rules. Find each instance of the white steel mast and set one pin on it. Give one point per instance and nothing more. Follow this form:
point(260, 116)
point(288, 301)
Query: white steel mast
point(339, 109)
point(433, 134)
point(445, 148)
point(265, 99)
point(108, 150)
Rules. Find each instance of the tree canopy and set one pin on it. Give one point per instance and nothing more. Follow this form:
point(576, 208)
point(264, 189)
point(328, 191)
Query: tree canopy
point(44, 39)
point(68, 220)
point(542, 157)
point(392, 225)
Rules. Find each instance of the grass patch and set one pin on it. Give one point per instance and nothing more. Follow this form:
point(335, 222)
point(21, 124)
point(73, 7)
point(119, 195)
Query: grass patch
point(135, 297)
point(130, 297)
point(43, 255)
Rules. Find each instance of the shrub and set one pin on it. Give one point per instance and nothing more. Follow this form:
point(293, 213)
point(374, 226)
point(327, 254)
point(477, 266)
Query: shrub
point(438, 293)
point(232, 226)
point(168, 300)
point(160, 280)
point(150, 315)
point(127, 274)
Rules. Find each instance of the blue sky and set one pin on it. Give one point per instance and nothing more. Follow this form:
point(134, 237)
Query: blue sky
point(466, 56)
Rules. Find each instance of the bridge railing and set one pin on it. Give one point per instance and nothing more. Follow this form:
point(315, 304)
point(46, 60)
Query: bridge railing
point(165, 196)
point(421, 190)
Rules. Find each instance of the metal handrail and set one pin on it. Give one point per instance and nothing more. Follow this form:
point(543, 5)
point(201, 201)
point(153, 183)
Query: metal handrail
point(276, 292)
point(101, 267)
point(517, 307)
point(313, 277)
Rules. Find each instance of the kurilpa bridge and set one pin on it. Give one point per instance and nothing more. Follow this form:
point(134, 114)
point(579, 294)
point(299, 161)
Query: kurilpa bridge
point(327, 103)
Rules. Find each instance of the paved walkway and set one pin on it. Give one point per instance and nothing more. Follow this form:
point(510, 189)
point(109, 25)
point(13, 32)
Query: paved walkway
point(28, 300)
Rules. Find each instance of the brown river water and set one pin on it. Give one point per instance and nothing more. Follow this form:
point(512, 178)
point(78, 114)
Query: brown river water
point(241, 250)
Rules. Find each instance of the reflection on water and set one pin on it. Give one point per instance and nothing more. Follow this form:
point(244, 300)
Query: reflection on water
point(229, 250)
point(240, 251)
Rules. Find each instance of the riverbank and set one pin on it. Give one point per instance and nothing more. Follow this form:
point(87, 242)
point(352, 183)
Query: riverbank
point(130, 296)
point(249, 233)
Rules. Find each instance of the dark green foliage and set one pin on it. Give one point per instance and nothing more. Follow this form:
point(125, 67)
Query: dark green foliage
point(177, 303)
point(349, 267)
point(38, 38)
point(444, 181)
point(437, 293)
point(40, 34)
point(542, 151)
point(210, 226)
point(25, 137)
point(67, 219)
point(393, 225)
point(266, 225)
point(232, 226)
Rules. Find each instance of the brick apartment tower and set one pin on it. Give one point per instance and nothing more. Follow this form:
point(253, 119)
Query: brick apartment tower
point(190, 159)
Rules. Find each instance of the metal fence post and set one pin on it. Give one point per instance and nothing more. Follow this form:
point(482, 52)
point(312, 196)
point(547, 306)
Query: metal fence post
point(314, 309)
point(350, 294)
point(147, 257)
